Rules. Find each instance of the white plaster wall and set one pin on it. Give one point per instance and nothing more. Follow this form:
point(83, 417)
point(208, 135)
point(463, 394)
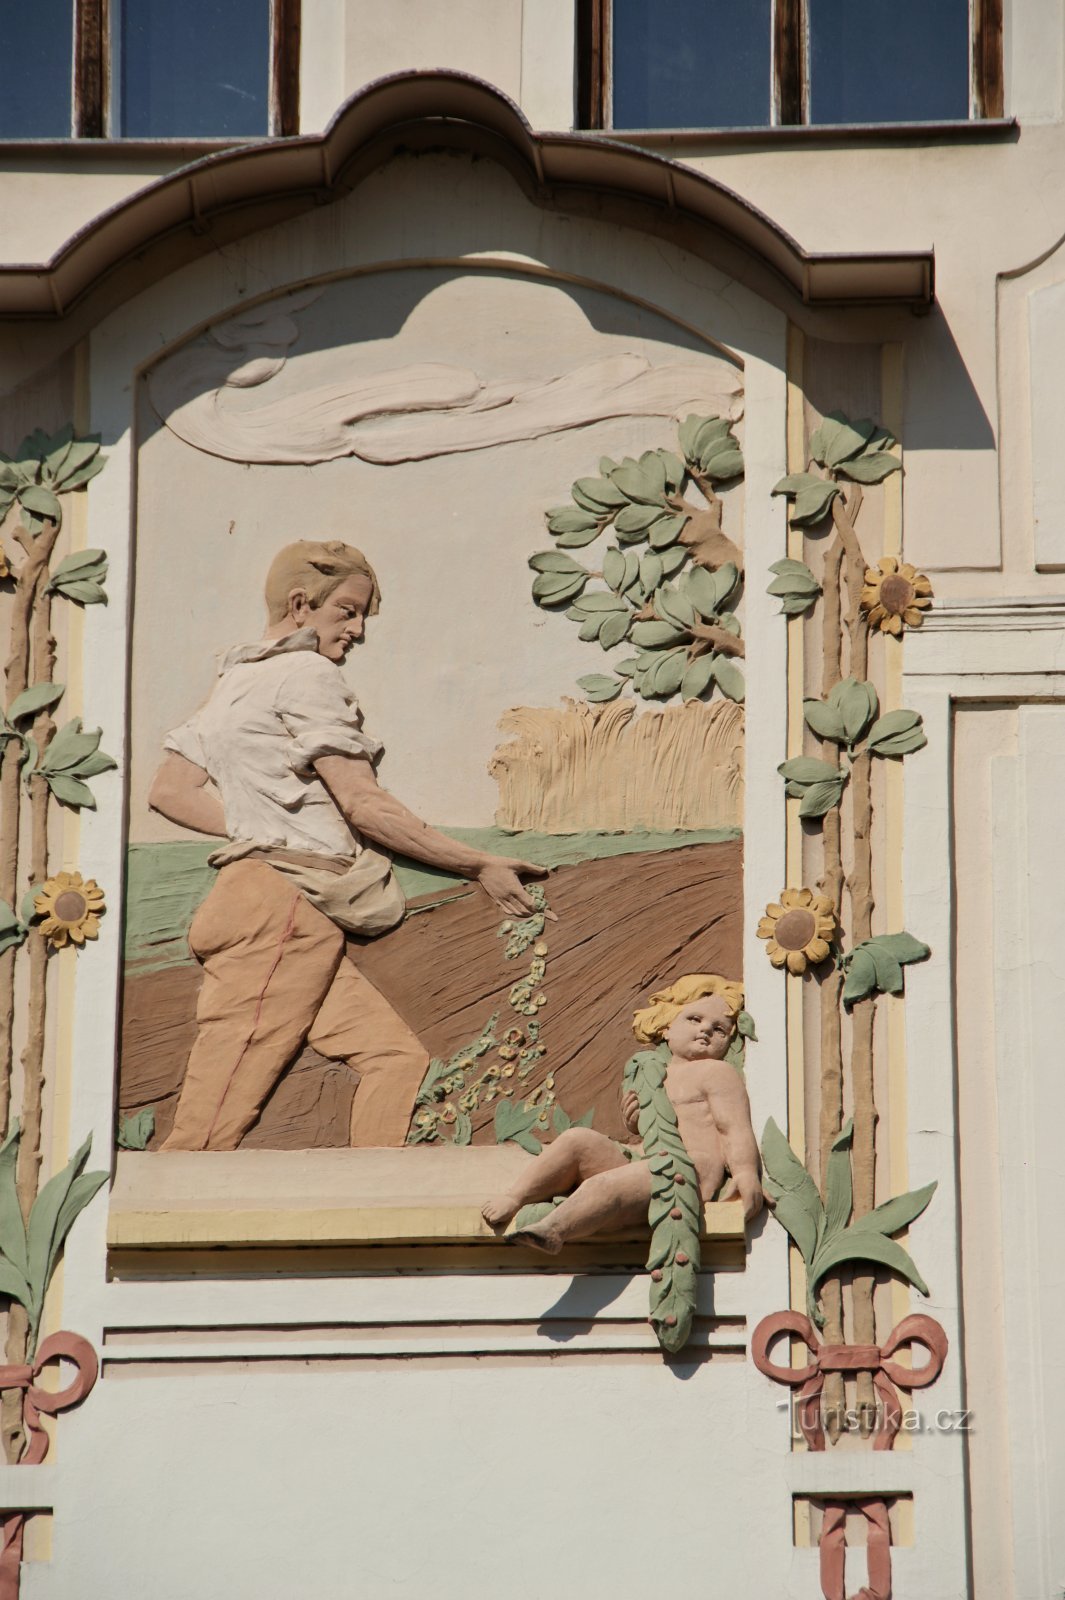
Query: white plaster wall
point(423, 1483)
point(479, 36)
point(323, 85)
point(1002, 655)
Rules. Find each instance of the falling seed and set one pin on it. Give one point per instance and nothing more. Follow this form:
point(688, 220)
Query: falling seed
point(656, 1276)
point(676, 1213)
point(682, 1260)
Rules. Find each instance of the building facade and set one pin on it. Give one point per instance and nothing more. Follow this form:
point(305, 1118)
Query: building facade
point(688, 385)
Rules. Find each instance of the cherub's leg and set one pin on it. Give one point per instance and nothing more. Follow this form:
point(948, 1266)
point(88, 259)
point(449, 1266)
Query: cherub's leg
point(615, 1199)
point(575, 1155)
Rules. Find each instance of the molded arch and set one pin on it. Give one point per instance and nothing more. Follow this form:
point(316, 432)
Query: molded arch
point(234, 192)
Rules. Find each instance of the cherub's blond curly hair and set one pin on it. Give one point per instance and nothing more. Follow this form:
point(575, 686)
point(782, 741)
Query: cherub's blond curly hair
point(650, 1024)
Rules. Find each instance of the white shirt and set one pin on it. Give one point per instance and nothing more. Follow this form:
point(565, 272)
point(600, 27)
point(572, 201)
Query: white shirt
point(277, 706)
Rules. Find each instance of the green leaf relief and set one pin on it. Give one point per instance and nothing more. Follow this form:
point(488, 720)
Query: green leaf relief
point(555, 561)
point(615, 628)
point(39, 697)
point(797, 1206)
point(903, 946)
point(824, 719)
point(807, 769)
point(41, 502)
point(876, 965)
point(13, 930)
point(812, 504)
point(674, 606)
point(54, 1213)
point(666, 530)
point(859, 1244)
point(857, 705)
point(729, 679)
point(12, 1226)
point(82, 461)
point(636, 484)
point(697, 434)
point(698, 676)
point(861, 978)
point(599, 688)
point(899, 1212)
point(897, 733)
point(135, 1132)
point(872, 468)
point(839, 1190)
point(556, 588)
point(723, 462)
point(794, 484)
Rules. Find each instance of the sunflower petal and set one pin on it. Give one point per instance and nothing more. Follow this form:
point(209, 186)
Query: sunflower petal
point(796, 962)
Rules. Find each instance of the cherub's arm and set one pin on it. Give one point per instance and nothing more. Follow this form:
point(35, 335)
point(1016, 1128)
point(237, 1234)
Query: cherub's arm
point(731, 1110)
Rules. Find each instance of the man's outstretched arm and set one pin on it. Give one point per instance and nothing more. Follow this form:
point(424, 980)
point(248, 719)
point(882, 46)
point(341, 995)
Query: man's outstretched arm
point(179, 792)
point(372, 811)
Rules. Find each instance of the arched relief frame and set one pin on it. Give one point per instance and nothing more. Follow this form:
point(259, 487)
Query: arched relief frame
point(374, 233)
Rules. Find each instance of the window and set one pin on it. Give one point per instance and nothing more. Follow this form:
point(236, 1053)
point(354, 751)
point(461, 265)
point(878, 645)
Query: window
point(150, 69)
point(717, 64)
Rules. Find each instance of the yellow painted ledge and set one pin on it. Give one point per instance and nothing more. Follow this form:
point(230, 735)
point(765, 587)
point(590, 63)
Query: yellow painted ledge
point(353, 1225)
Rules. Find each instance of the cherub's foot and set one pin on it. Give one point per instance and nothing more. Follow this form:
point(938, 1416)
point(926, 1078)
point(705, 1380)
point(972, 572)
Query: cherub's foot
point(540, 1235)
point(498, 1211)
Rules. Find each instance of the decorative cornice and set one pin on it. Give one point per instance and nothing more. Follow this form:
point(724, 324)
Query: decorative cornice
point(1017, 614)
point(254, 185)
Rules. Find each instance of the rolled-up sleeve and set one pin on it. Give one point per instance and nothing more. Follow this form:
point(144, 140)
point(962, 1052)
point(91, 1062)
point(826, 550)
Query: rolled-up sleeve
point(322, 715)
point(185, 741)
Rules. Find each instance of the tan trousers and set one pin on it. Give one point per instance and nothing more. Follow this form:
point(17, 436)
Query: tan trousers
point(275, 974)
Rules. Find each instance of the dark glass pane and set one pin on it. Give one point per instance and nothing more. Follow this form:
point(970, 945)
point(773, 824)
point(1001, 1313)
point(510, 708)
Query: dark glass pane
point(691, 63)
point(193, 67)
point(906, 62)
point(37, 93)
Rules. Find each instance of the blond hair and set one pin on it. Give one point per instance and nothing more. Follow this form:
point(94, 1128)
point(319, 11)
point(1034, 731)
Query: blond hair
point(650, 1024)
point(317, 568)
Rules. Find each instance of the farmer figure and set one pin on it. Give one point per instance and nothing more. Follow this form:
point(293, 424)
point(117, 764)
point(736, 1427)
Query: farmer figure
point(277, 762)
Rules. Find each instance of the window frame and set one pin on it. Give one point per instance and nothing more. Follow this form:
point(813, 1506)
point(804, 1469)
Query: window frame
point(92, 57)
point(789, 100)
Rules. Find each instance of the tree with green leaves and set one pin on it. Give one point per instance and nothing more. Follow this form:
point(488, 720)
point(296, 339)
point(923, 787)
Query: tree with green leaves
point(844, 459)
point(670, 581)
point(49, 763)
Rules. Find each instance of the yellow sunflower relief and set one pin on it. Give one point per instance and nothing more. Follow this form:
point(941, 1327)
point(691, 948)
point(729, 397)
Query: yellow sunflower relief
point(798, 930)
point(71, 907)
point(895, 594)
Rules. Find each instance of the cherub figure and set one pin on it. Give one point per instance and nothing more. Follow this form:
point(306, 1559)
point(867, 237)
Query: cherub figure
point(611, 1182)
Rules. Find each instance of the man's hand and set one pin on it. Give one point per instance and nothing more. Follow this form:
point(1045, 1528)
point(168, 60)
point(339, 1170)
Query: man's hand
point(372, 811)
point(745, 1185)
point(630, 1110)
point(500, 878)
